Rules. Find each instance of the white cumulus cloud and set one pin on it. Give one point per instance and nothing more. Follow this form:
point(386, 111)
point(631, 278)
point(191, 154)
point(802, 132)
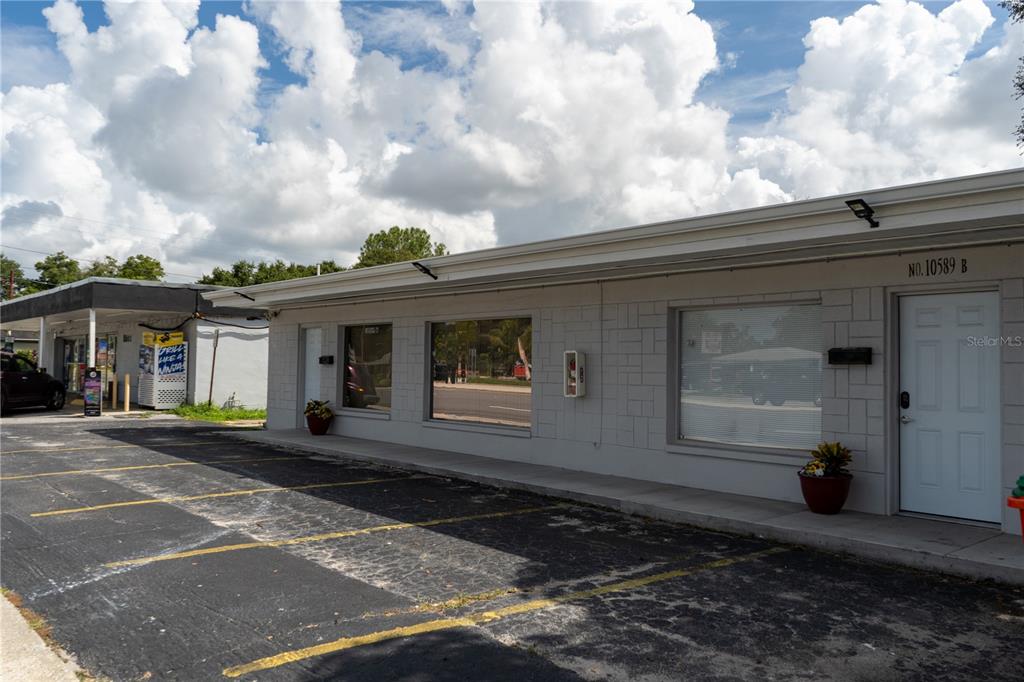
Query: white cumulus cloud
point(486, 123)
point(888, 96)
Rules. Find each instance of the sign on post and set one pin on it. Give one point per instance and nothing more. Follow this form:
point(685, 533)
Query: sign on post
point(92, 392)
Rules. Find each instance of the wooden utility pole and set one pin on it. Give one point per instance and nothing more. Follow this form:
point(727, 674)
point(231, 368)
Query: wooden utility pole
point(213, 363)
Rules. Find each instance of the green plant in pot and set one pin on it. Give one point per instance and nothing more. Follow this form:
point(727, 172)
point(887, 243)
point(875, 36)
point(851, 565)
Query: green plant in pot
point(825, 481)
point(318, 416)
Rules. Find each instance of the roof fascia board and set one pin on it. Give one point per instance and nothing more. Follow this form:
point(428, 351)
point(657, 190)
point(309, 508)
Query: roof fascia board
point(749, 256)
point(630, 272)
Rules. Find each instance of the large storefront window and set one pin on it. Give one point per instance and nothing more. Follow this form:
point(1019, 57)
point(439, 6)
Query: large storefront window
point(367, 369)
point(482, 371)
point(751, 376)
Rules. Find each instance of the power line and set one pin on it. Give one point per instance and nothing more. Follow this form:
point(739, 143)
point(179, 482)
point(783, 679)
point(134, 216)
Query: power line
point(40, 212)
point(88, 262)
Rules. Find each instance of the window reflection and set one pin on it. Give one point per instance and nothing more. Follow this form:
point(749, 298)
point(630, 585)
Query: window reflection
point(752, 376)
point(367, 370)
point(481, 371)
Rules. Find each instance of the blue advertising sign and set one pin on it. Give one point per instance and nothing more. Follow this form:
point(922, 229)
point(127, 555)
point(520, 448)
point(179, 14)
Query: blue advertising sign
point(171, 360)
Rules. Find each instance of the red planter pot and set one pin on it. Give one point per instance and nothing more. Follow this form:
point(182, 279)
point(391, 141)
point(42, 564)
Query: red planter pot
point(825, 494)
point(318, 426)
point(1018, 504)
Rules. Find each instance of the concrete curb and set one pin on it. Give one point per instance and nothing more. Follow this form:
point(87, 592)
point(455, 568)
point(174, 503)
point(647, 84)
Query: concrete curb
point(876, 551)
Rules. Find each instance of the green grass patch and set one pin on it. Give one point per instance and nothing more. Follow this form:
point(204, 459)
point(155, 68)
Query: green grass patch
point(497, 381)
point(211, 413)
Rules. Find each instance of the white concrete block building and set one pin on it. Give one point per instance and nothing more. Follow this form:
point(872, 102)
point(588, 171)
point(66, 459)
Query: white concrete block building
point(706, 344)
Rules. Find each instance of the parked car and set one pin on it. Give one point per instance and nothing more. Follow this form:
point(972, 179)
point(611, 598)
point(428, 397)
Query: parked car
point(22, 384)
point(359, 386)
point(519, 370)
point(776, 385)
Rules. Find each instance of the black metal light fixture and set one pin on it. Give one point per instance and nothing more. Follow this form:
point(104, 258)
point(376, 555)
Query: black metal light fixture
point(424, 269)
point(863, 210)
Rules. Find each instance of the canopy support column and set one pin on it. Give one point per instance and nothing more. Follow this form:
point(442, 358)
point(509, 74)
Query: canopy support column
point(43, 352)
point(92, 338)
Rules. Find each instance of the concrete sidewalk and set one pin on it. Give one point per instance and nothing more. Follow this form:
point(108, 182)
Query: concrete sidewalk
point(966, 550)
point(24, 656)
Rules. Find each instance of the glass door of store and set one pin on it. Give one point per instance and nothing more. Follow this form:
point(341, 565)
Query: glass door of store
point(76, 359)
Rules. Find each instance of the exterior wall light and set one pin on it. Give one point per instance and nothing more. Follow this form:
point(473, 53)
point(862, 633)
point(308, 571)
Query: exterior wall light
point(863, 210)
point(424, 269)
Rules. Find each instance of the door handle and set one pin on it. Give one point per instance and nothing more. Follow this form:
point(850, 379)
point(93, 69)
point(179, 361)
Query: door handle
point(904, 419)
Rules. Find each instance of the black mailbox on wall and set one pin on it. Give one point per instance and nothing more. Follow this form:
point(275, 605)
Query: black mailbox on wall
point(326, 359)
point(849, 356)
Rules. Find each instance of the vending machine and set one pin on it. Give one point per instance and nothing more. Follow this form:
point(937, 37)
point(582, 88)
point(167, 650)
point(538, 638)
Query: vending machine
point(163, 370)
point(574, 374)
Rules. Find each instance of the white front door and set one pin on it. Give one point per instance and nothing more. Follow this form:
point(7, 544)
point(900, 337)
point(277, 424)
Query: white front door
point(311, 364)
point(949, 405)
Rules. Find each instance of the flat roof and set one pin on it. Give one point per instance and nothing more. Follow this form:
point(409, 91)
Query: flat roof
point(114, 294)
point(969, 210)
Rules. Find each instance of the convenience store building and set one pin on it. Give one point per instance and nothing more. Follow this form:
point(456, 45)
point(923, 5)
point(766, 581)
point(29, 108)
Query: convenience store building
point(116, 324)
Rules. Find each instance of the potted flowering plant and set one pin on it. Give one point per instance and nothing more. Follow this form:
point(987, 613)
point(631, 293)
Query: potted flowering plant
point(1016, 499)
point(318, 416)
point(824, 480)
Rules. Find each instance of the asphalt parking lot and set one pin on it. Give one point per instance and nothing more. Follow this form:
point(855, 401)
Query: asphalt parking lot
point(166, 550)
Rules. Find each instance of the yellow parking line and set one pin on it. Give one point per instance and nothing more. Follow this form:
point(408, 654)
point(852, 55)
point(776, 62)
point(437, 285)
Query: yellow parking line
point(327, 536)
point(111, 447)
point(136, 467)
point(464, 600)
point(483, 617)
point(226, 493)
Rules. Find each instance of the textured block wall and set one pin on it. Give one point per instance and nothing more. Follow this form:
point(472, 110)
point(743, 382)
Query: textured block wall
point(1012, 320)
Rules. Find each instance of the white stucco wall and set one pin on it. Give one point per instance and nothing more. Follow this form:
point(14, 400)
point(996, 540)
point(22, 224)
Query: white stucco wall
point(241, 356)
point(623, 426)
point(241, 362)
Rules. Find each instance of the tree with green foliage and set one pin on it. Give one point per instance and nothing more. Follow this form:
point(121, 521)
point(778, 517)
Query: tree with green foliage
point(57, 269)
point(141, 266)
point(241, 274)
point(396, 245)
point(244, 273)
point(107, 267)
point(1016, 10)
point(9, 267)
